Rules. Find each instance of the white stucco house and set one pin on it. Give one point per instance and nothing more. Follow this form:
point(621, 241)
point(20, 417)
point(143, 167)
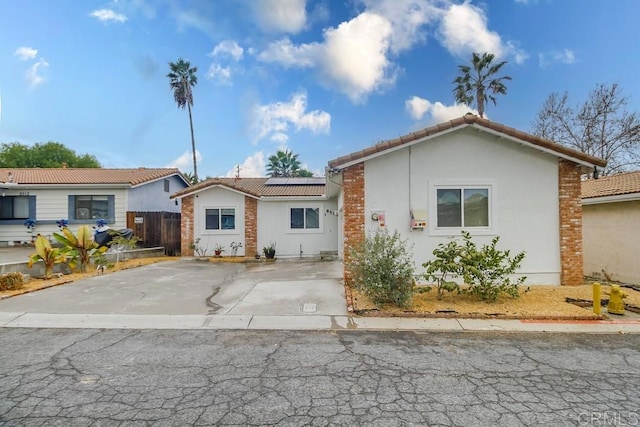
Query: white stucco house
point(466, 174)
point(80, 196)
point(611, 220)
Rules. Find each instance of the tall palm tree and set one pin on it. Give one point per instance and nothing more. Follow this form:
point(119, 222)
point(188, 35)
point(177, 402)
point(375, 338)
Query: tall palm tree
point(181, 79)
point(476, 81)
point(286, 164)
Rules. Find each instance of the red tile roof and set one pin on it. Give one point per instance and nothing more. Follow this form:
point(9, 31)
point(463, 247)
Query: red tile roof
point(465, 121)
point(614, 185)
point(83, 175)
point(256, 187)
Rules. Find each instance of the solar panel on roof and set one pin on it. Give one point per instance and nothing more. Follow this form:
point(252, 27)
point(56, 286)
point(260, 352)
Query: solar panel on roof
point(295, 181)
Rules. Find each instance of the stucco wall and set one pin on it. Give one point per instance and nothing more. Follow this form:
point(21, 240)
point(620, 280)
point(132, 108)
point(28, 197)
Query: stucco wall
point(151, 197)
point(524, 208)
point(611, 240)
point(218, 198)
point(274, 226)
point(53, 205)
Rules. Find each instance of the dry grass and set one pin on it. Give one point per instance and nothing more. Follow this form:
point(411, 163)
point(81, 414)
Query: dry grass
point(535, 302)
point(36, 284)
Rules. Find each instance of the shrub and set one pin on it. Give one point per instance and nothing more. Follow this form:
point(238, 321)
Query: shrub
point(382, 268)
point(47, 254)
point(11, 281)
point(486, 270)
point(446, 265)
point(81, 248)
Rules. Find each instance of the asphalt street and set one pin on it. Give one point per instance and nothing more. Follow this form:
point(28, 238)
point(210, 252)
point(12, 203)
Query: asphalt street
point(84, 377)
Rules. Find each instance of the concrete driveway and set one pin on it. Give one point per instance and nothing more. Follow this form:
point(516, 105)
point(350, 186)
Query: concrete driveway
point(189, 287)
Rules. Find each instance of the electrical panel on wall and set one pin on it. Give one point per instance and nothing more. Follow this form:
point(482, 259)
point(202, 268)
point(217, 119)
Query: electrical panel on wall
point(418, 219)
point(378, 217)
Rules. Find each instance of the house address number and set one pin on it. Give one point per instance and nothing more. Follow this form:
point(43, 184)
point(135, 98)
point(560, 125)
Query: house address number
point(24, 193)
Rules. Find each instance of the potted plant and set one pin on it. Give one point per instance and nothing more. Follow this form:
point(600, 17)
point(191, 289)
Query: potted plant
point(217, 251)
point(270, 251)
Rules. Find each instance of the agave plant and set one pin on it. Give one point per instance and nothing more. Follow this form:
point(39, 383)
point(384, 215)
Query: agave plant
point(79, 248)
point(47, 254)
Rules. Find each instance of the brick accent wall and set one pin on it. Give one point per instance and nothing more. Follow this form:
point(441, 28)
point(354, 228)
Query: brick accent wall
point(571, 261)
point(186, 226)
point(250, 226)
point(353, 210)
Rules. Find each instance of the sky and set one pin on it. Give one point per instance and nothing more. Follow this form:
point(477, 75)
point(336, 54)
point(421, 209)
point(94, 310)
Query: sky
point(322, 78)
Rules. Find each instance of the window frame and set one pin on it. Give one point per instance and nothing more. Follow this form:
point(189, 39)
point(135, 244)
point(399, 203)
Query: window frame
point(434, 229)
point(71, 213)
point(32, 210)
point(305, 229)
point(220, 230)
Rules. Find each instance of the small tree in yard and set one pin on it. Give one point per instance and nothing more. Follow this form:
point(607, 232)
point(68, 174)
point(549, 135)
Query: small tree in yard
point(486, 270)
point(444, 266)
point(382, 268)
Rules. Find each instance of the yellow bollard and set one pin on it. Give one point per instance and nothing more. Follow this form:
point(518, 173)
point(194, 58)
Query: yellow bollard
point(616, 305)
point(596, 298)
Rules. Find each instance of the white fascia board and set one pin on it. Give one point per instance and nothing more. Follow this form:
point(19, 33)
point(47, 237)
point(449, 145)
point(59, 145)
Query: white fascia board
point(233, 190)
point(611, 199)
point(292, 198)
point(534, 146)
point(68, 186)
point(398, 147)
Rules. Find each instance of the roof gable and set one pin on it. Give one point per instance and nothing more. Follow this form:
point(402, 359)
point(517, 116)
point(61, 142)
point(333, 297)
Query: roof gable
point(614, 185)
point(71, 176)
point(468, 120)
point(260, 187)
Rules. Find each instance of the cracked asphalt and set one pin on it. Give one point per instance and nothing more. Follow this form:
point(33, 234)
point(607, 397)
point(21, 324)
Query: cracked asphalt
point(76, 377)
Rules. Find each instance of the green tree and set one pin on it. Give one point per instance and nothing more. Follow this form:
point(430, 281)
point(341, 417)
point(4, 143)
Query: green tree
point(477, 83)
point(602, 126)
point(182, 78)
point(286, 164)
point(43, 155)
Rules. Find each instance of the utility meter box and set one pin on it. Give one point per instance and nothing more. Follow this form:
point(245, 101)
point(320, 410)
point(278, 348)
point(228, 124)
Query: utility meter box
point(418, 224)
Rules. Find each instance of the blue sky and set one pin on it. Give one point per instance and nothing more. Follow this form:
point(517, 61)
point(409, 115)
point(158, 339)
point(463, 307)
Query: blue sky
point(322, 78)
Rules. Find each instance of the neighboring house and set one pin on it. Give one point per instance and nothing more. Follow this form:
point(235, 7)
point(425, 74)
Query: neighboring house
point(611, 211)
point(299, 215)
point(81, 196)
point(475, 175)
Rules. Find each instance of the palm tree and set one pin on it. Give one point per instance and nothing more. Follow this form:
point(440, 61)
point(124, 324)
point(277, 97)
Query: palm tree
point(286, 164)
point(476, 80)
point(181, 79)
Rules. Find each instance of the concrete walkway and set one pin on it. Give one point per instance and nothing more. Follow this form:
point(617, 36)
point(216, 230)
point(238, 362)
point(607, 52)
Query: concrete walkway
point(286, 295)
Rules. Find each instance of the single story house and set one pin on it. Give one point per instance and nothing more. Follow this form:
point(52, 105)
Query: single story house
point(298, 215)
point(466, 174)
point(80, 196)
point(611, 220)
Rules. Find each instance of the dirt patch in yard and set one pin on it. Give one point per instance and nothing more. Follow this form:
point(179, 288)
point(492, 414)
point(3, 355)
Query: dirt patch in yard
point(535, 302)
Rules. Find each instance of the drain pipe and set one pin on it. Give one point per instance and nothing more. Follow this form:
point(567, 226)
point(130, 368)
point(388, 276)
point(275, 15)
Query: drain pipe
point(300, 250)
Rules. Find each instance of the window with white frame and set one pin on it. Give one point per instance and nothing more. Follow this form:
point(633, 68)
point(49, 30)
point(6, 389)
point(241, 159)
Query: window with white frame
point(462, 206)
point(304, 218)
point(220, 219)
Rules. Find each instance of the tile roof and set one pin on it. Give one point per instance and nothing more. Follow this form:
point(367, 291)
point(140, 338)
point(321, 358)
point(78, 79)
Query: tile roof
point(614, 185)
point(256, 187)
point(83, 175)
point(467, 120)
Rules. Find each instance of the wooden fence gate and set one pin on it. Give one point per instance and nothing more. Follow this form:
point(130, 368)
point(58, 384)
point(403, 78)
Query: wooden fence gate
point(156, 229)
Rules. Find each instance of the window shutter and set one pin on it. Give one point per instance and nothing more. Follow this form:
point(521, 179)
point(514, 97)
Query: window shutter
point(72, 211)
point(112, 209)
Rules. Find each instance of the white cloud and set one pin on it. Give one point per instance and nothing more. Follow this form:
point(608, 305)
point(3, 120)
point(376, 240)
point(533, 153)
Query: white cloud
point(437, 112)
point(252, 167)
point(185, 161)
point(274, 120)
point(25, 53)
point(34, 73)
point(108, 15)
point(287, 16)
point(464, 30)
point(228, 48)
point(220, 74)
point(287, 54)
point(564, 56)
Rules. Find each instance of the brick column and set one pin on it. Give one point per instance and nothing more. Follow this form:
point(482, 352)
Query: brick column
point(571, 261)
point(353, 210)
point(186, 226)
point(250, 226)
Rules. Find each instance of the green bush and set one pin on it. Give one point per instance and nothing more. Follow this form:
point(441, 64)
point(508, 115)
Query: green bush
point(11, 281)
point(446, 265)
point(382, 268)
